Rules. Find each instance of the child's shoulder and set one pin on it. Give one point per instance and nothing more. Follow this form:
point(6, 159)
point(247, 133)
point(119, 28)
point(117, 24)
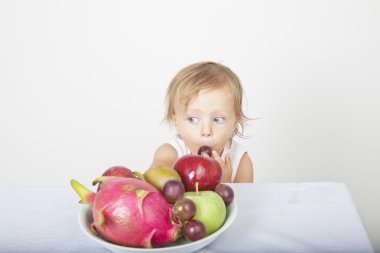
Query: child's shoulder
point(166, 149)
point(165, 154)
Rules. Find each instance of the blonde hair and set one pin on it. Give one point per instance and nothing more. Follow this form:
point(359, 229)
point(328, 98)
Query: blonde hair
point(201, 76)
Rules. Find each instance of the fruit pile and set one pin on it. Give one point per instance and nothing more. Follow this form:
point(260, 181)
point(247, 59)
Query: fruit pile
point(156, 208)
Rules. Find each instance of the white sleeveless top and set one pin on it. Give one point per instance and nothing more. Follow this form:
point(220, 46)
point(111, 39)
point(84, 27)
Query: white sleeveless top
point(236, 151)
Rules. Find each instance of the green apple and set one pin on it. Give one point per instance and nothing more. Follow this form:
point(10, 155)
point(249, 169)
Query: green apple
point(158, 176)
point(210, 209)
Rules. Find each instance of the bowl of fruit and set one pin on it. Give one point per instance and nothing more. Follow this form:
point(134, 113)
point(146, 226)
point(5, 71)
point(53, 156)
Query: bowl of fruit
point(162, 210)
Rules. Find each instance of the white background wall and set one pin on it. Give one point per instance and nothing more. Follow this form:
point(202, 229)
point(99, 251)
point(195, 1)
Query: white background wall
point(82, 86)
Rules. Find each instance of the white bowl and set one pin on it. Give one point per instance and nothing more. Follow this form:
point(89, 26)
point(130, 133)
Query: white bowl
point(179, 246)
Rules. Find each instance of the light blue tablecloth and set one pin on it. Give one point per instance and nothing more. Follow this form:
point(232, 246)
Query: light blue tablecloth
point(275, 217)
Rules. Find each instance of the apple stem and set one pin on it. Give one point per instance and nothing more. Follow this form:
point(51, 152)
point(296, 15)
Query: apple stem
point(196, 188)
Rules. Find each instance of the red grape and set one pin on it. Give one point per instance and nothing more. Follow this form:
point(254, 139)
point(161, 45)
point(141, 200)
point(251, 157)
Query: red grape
point(226, 192)
point(184, 209)
point(116, 171)
point(173, 190)
point(194, 230)
point(205, 149)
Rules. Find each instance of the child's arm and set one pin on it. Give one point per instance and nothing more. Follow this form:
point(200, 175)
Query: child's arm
point(244, 173)
point(165, 155)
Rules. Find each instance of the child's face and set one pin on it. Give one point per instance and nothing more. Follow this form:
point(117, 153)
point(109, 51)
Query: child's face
point(209, 119)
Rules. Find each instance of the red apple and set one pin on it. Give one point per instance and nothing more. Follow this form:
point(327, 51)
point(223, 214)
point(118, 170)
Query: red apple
point(197, 168)
point(117, 171)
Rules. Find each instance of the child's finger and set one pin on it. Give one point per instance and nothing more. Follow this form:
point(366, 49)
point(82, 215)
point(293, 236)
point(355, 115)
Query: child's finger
point(218, 158)
point(204, 154)
point(228, 161)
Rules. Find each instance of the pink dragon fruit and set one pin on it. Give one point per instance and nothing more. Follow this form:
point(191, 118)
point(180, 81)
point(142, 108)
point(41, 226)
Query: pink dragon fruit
point(130, 212)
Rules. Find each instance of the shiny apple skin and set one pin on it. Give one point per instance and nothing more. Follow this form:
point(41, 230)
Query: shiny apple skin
point(196, 168)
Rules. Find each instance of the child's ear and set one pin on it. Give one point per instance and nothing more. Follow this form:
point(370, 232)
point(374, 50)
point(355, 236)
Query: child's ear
point(237, 120)
point(173, 120)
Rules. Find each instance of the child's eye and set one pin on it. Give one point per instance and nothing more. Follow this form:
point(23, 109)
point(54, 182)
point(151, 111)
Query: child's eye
point(193, 120)
point(218, 120)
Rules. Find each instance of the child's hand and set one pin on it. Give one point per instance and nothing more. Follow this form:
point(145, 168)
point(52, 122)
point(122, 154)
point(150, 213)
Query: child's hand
point(226, 166)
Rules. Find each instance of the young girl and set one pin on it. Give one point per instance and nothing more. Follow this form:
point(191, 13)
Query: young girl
point(204, 104)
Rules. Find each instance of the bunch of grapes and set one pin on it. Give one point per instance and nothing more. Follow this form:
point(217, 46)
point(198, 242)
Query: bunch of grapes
point(184, 209)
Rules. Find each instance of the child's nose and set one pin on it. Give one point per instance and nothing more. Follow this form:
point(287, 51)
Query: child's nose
point(206, 130)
